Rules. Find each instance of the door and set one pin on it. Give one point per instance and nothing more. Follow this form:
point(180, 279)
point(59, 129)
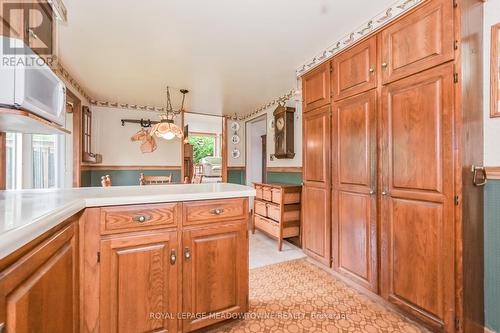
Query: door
point(354, 226)
point(417, 227)
point(39, 293)
point(264, 157)
point(317, 187)
point(139, 283)
point(419, 41)
point(316, 87)
point(214, 270)
point(353, 71)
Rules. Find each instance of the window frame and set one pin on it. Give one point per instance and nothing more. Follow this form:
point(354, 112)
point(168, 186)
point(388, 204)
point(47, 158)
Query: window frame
point(494, 72)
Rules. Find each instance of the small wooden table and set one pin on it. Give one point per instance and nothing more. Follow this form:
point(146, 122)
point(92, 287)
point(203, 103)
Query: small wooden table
point(277, 210)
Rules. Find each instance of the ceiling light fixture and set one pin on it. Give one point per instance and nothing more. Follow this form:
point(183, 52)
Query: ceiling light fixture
point(166, 128)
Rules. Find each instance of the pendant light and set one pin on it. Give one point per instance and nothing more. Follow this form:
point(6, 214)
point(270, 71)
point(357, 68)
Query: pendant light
point(166, 128)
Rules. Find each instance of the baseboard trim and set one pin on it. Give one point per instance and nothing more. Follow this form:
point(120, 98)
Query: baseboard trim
point(285, 169)
point(493, 173)
point(129, 167)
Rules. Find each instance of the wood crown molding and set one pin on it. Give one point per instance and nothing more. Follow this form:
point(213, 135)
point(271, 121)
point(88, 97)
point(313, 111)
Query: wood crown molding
point(493, 172)
point(381, 20)
point(285, 169)
point(86, 167)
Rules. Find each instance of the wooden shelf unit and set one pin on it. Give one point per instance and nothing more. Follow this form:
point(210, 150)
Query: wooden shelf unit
point(277, 210)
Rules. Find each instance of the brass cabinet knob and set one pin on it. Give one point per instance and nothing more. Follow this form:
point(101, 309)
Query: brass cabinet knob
point(217, 211)
point(173, 257)
point(371, 70)
point(187, 253)
point(384, 65)
point(142, 218)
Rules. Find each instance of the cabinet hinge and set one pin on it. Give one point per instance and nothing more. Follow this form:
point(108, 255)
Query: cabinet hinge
point(457, 200)
point(98, 256)
point(455, 45)
point(455, 77)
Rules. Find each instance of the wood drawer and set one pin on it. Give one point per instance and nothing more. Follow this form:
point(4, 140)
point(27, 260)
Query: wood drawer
point(258, 190)
point(291, 212)
point(138, 217)
point(289, 197)
point(268, 226)
point(260, 208)
point(209, 211)
point(267, 193)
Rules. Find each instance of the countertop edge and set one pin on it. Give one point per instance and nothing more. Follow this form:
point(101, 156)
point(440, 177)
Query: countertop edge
point(15, 239)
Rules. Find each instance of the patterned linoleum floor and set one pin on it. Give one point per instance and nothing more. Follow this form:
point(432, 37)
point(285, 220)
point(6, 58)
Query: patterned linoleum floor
point(297, 296)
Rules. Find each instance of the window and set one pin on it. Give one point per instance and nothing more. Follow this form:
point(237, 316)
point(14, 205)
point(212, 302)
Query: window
point(34, 161)
point(495, 71)
point(203, 146)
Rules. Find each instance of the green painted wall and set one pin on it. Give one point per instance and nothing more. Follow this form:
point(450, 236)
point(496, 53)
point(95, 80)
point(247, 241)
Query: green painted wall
point(492, 255)
point(285, 177)
point(236, 176)
point(92, 178)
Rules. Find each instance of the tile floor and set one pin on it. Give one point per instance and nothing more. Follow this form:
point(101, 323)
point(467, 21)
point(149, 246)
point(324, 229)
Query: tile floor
point(264, 251)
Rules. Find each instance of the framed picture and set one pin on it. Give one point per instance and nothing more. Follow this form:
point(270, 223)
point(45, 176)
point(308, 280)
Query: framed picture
point(495, 71)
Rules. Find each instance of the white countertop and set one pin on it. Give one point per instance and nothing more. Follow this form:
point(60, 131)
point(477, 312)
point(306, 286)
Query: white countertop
point(27, 214)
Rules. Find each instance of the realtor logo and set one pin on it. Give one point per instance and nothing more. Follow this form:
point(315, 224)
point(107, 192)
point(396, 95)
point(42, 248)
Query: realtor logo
point(29, 25)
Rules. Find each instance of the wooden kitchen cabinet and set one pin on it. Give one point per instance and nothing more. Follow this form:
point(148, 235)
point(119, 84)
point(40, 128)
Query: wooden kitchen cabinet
point(316, 87)
point(417, 229)
point(419, 41)
point(214, 279)
point(354, 71)
point(354, 222)
point(39, 290)
point(138, 288)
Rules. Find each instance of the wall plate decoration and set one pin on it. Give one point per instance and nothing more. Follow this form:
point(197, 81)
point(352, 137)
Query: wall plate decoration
point(235, 153)
point(235, 126)
point(235, 139)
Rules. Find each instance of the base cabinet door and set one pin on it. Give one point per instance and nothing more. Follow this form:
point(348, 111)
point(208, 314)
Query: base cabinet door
point(417, 227)
point(354, 226)
point(139, 283)
point(39, 292)
point(215, 278)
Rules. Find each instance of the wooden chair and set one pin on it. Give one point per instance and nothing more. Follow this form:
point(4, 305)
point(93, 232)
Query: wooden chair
point(197, 179)
point(155, 180)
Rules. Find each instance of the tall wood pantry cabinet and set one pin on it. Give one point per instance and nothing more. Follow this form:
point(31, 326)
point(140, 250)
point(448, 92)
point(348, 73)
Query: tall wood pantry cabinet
point(392, 128)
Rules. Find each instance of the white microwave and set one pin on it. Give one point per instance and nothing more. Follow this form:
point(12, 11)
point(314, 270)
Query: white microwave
point(28, 83)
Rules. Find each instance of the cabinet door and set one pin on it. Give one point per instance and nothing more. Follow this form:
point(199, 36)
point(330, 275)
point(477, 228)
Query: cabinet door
point(215, 274)
point(316, 87)
point(354, 227)
point(417, 226)
point(316, 222)
point(353, 71)
point(139, 283)
point(419, 41)
point(316, 147)
point(39, 293)
point(40, 28)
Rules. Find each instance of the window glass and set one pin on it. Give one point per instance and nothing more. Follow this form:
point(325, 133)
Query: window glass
point(11, 157)
point(43, 152)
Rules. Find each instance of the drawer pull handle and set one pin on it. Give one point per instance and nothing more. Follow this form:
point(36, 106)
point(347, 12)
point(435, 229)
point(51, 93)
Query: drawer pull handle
point(217, 211)
point(142, 218)
point(384, 65)
point(187, 253)
point(371, 70)
point(173, 257)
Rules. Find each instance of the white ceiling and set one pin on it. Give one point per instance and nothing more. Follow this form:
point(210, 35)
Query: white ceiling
point(233, 56)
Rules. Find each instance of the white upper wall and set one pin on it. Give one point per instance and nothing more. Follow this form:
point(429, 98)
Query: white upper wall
point(491, 125)
point(112, 140)
point(203, 124)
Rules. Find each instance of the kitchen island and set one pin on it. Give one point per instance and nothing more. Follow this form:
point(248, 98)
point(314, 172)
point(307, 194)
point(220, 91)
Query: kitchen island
point(165, 258)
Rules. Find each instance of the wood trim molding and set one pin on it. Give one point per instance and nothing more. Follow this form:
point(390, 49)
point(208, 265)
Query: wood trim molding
point(224, 149)
point(493, 172)
point(242, 168)
point(285, 169)
point(495, 89)
point(487, 330)
point(86, 167)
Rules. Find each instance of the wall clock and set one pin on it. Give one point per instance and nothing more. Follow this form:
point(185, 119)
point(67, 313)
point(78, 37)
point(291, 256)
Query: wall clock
point(283, 132)
point(235, 126)
point(235, 153)
point(235, 139)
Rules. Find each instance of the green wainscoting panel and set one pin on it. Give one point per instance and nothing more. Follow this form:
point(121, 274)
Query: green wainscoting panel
point(236, 176)
point(127, 177)
point(294, 178)
point(86, 178)
point(492, 255)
